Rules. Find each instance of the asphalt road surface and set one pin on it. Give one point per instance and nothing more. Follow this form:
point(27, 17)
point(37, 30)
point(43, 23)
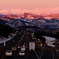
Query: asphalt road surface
point(47, 55)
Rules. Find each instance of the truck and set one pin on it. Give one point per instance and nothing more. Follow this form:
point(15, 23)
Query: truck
point(31, 46)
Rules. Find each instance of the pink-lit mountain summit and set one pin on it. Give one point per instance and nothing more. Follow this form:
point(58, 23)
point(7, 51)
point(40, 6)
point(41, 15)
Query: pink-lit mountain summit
point(31, 14)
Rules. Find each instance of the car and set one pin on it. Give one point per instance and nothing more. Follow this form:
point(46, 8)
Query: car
point(23, 48)
point(14, 48)
point(8, 53)
point(19, 47)
point(21, 53)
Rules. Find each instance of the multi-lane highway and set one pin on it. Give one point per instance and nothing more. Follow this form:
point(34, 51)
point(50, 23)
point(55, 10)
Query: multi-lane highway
point(19, 40)
point(28, 55)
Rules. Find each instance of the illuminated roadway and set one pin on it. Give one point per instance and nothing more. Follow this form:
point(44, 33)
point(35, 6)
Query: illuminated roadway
point(19, 40)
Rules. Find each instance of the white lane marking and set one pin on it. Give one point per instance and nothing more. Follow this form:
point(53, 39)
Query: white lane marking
point(52, 54)
point(37, 55)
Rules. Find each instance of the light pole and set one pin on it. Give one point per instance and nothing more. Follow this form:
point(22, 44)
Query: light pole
point(4, 43)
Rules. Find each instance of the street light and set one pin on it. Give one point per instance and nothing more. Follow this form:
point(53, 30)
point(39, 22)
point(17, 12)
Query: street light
point(41, 44)
point(48, 43)
point(38, 39)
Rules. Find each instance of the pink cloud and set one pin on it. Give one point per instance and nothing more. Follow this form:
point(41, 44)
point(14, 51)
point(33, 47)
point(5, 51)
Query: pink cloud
point(34, 11)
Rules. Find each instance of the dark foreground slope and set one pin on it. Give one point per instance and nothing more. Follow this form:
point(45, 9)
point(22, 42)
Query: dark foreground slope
point(5, 30)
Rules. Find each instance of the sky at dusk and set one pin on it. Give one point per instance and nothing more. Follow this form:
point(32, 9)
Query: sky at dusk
point(28, 4)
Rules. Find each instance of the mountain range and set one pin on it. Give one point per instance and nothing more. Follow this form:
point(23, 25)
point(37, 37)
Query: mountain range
point(29, 19)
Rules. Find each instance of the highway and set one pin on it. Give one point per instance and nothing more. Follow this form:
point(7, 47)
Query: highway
point(19, 40)
point(29, 55)
point(47, 55)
